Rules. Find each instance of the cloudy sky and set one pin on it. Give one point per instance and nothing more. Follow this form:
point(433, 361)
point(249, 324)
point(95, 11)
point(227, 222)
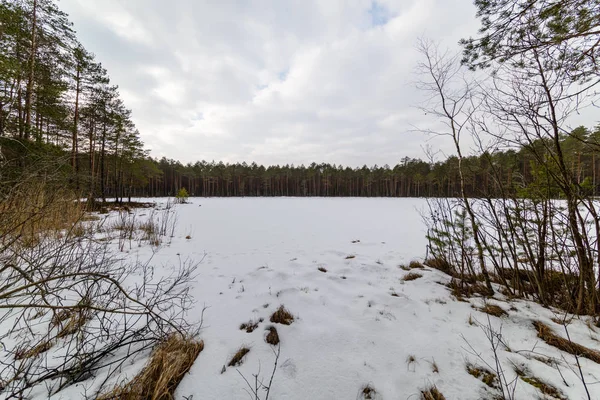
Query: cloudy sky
point(272, 81)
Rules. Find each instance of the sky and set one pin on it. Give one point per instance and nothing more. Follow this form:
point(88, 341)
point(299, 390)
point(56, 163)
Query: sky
point(273, 81)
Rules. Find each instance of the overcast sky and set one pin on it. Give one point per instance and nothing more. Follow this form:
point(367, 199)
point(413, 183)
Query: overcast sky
point(272, 81)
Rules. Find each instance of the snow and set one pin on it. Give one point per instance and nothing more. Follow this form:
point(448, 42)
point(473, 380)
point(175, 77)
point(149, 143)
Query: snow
point(349, 330)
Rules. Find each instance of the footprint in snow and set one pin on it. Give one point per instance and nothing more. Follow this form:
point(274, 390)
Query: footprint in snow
point(289, 368)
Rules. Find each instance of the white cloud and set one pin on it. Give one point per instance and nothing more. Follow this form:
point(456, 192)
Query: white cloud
point(271, 81)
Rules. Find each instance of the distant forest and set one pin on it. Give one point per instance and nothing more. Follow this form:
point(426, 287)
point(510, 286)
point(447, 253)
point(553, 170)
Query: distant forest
point(57, 103)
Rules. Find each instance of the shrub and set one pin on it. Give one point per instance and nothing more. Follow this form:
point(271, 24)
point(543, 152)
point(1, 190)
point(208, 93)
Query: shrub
point(182, 196)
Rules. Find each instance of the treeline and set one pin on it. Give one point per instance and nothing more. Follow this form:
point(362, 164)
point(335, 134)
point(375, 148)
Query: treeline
point(57, 101)
point(496, 174)
point(55, 98)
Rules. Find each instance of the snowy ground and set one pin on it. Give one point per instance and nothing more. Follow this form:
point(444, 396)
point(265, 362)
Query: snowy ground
point(356, 324)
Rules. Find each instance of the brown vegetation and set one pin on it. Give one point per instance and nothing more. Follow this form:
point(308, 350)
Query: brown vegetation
point(368, 392)
point(544, 387)
point(272, 337)
point(439, 264)
point(411, 276)
point(238, 357)
point(322, 269)
point(494, 310)
point(483, 374)
point(249, 326)
point(282, 316)
point(547, 335)
point(169, 362)
point(432, 393)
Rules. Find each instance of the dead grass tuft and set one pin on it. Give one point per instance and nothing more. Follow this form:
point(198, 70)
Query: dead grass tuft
point(411, 276)
point(547, 335)
point(432, 393)
point(169, 362)
point(483, 374)
point(238, 357)
point(460, 289)
point(272, 337)
point(350, 257)
point(415, 265)
point(322, 269)
point(368, 392)
point(404, 267)
point(249, 326)
point(439, 264)
point(33, 352)
point(75, 322)
point(544, 387)
point(494, 310)
point(282, 316)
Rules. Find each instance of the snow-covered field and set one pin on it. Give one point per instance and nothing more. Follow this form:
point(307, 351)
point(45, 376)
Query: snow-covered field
point(356, 324)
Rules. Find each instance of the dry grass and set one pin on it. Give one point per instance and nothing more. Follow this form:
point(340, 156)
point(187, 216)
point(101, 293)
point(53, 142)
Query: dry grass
point(547, 335)
point(404, 267)
point(350, 257)
point(282, 316)
point(238, 357)
point(42, 347)
point(411, 276)
point(34, 210)
point(415, 265)
point(272, 337)
point(74, 324)
point(439, 264)
point(368, 392)
point(169, 362)
point(461, 289)
point(544, 387)
point(483, 374)
point(434, 367)
point(322, 269)
point(432, 393)
point(250, 326)
point(494, 310)
point(470, 320)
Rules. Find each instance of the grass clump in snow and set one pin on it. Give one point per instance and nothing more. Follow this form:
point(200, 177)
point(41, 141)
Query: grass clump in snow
point(461, 289)
point(432, 393)
point(250, 326)
point(411, 276)
point(368, 392)
point(415, 265)
point(440, 264)
point(34, 351)
point(545, 388)
point(493, 310)
point(484, 375)
point(272, 337)
point(238, 357)
point(322, 269)
point(169, 362)
point(350, 257)
point(282, 316)
point(547, 335)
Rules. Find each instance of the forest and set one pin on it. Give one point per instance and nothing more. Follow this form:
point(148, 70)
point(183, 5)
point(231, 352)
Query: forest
point(57, 102)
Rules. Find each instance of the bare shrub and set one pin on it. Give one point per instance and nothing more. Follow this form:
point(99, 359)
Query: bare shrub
point(71, 307)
